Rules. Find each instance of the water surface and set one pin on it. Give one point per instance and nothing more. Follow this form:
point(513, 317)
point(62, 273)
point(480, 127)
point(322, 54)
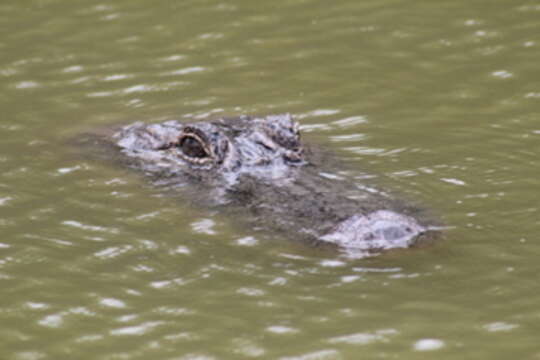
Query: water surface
point(437, 101)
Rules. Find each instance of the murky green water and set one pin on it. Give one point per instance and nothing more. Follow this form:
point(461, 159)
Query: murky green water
point(440, 100)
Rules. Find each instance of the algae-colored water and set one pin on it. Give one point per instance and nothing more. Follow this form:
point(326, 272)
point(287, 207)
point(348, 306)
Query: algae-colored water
point(439, 101)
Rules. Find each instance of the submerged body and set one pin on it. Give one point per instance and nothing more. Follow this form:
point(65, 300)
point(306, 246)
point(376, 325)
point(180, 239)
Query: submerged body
point(258, 167)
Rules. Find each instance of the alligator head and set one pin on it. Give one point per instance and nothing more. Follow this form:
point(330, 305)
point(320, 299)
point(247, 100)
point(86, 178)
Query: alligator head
point(267, 146)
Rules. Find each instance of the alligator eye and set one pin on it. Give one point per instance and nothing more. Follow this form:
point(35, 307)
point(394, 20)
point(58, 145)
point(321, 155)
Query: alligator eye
point(192, 147)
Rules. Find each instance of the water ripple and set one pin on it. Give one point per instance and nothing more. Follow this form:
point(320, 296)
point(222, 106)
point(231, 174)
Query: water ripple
point(137, 330)
point(428, 344)
point(86, 227)
point(204, 226)
point(28, 84)
point(184, 71)
point(500, 326)
point(113, 252)
point(112, 303)
point(282, 330)
point(364, 338)
point(324, 354)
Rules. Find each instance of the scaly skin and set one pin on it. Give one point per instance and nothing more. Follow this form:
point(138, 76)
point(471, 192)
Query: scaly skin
point(258, 166)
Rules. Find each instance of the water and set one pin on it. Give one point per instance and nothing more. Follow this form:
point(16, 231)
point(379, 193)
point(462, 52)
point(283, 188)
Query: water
point(438, 101)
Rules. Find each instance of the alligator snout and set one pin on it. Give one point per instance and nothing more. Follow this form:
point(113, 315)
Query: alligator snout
point(378, 230)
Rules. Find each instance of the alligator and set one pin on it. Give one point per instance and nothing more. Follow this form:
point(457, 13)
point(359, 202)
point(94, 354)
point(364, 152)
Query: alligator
point(260, 170)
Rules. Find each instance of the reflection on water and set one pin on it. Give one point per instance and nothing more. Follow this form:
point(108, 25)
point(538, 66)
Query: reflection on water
point(436, 103)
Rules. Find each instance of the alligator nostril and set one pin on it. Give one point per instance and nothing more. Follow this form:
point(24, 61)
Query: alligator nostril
point(266, 146)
